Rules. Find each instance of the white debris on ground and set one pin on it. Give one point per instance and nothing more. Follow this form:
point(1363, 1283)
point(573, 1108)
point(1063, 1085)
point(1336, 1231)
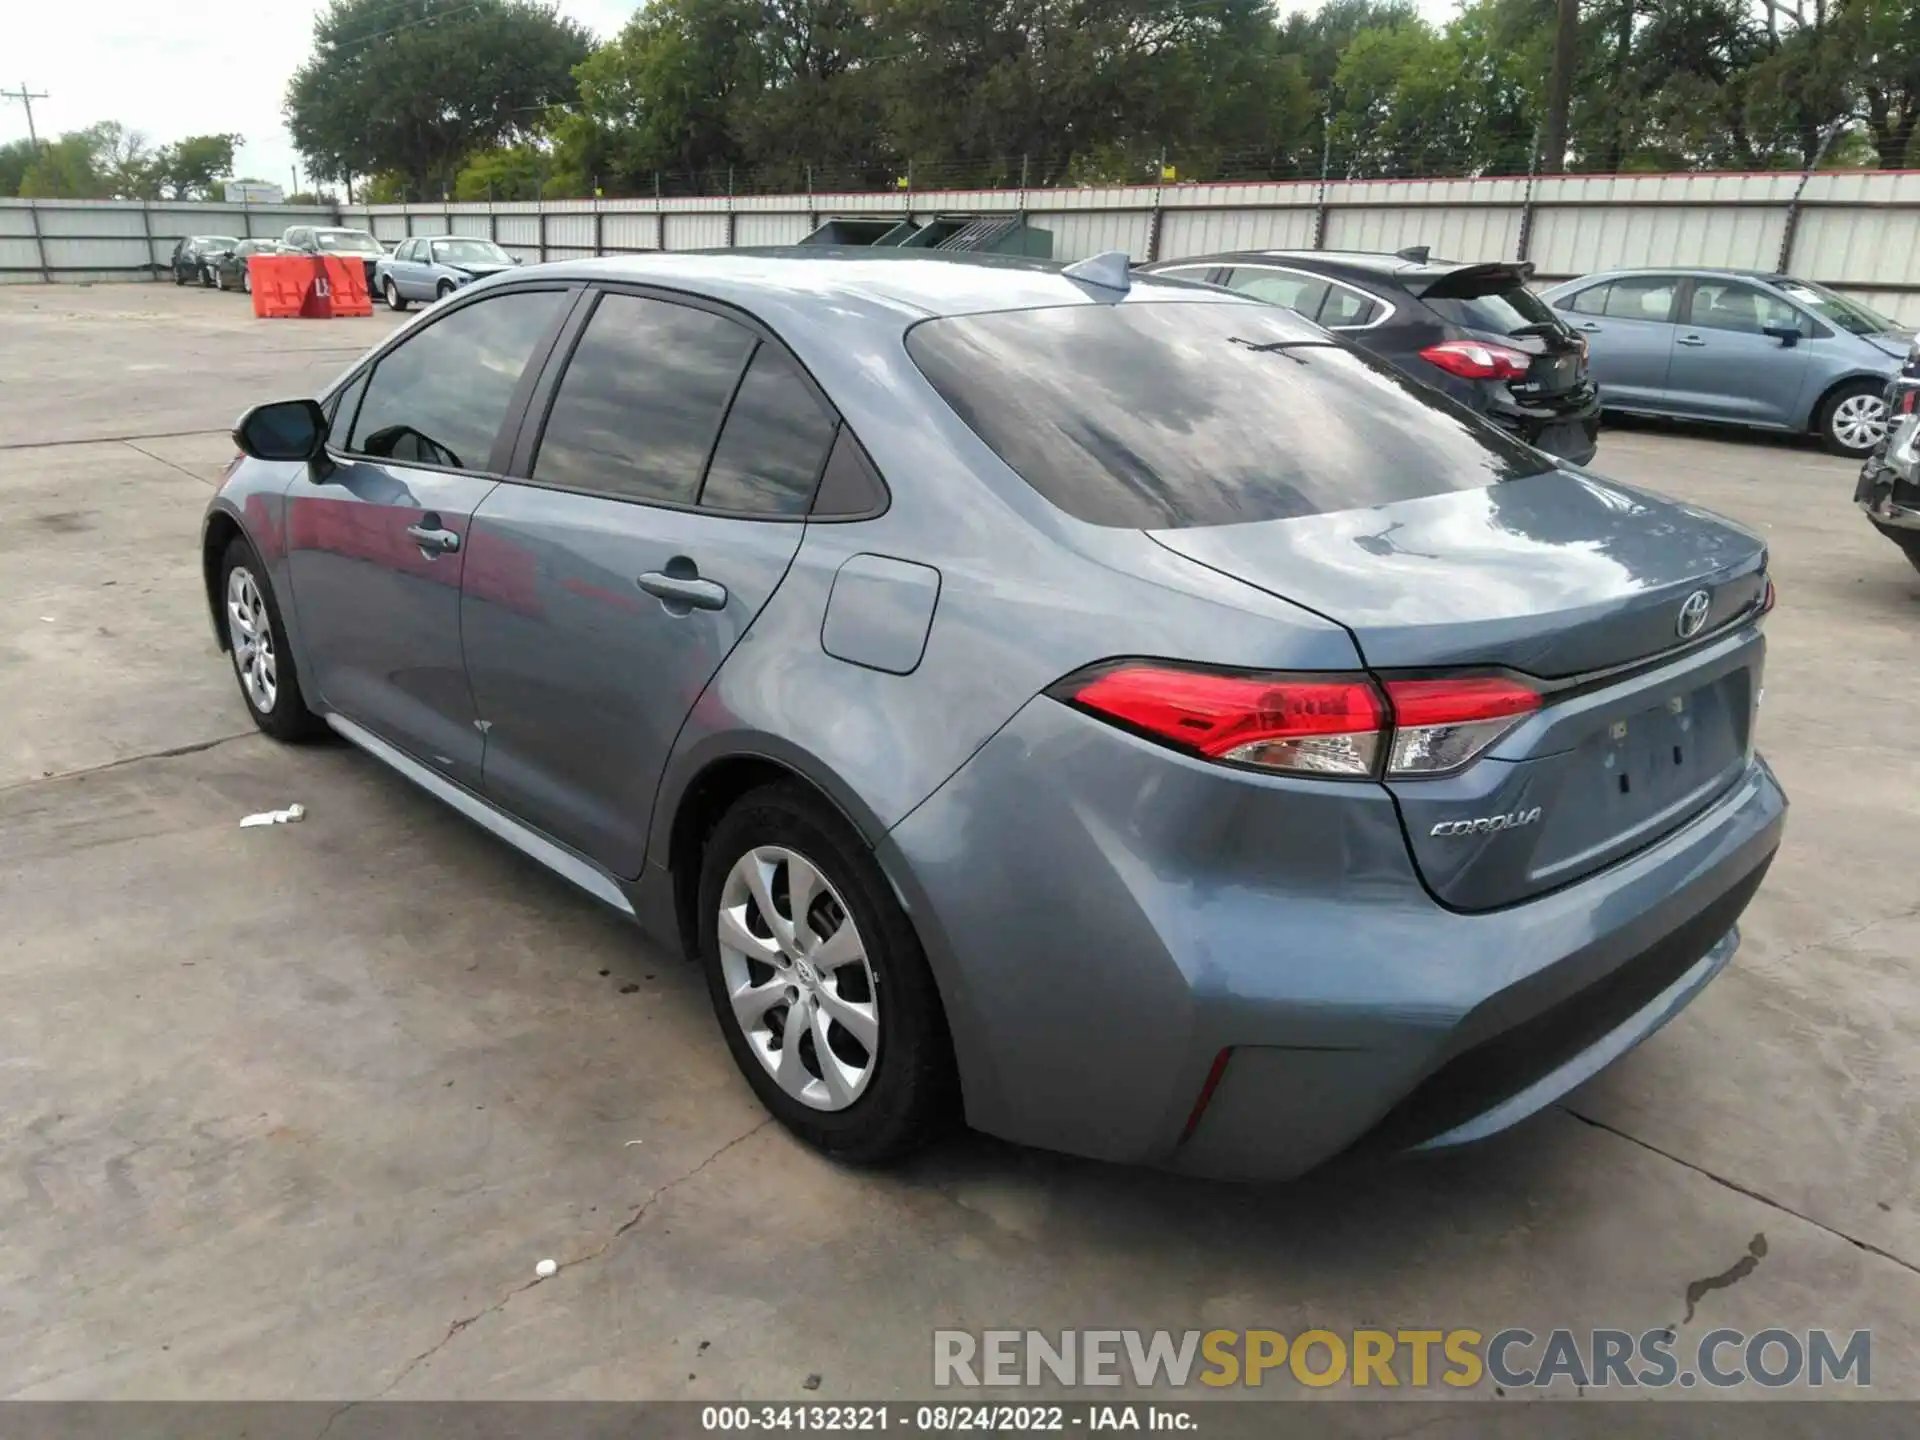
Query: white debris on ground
point(274, 817)
point(546, 1268)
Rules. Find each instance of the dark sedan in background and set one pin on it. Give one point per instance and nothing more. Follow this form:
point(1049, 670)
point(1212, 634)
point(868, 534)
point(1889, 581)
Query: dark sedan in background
point(192, 257)
point(1473, 331)
point(229, 267)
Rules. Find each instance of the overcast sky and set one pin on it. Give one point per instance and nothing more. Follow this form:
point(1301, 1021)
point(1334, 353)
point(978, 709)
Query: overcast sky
point(154, 68)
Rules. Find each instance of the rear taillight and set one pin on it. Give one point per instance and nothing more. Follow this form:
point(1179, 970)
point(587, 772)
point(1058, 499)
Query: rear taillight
point(1316, 724)
point(1767, 598)
point(1476, 360)
point(1332, 725)
point(1907, 402)
point(1439, 725)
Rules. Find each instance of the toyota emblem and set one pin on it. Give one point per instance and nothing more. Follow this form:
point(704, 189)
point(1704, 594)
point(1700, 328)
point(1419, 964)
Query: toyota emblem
point(1693, 614)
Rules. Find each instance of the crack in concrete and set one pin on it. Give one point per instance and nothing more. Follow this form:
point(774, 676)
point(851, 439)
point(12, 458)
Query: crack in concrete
point(109, 439)
point(1846, 935)
point(640, 1213)
point(173, 752)
point(1698, 1290)
point(161, 459)
point(1748, 1191)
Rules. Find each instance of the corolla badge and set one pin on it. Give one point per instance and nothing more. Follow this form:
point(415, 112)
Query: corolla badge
point(1693, 614)
point(1487, 824)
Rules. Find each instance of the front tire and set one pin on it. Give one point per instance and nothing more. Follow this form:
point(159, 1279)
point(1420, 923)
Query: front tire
point(831, 1014)
point(206, 277)
point(1853, 419)
point(443, 290)
point(256, 638)
point(392, 292)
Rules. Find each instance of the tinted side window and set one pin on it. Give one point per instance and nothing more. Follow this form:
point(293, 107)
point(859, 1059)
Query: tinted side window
point(850, 487)
point(1729, 305)
point(345, 406)
point(440, 396)
point(1344, 307)
point(642, 398)
point(774, 442)
point(1176, 414)
point(1590, 301)
point(1302, 293)
point(1648, 298)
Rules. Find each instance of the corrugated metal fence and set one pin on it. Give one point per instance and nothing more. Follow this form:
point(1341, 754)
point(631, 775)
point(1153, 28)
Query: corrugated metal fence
point(1858, 231)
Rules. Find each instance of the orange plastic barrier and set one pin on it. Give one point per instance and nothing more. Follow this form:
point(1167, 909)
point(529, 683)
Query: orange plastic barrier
point(346, 278)
point(280, 284)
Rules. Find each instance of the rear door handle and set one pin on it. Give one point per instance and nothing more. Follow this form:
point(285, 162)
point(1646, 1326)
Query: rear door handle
point(1689, 340)
point(1591, 328)
point(688, 590)
point(433, 539)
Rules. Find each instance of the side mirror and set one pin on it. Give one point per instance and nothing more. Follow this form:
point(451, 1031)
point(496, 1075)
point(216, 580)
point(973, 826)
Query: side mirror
point(516, 259)
point(283, 430)
point(1787, 335)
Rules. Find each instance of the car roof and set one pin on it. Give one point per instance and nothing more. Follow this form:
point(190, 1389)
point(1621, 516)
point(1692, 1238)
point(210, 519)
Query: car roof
point(1771, 277)
point(903, 285)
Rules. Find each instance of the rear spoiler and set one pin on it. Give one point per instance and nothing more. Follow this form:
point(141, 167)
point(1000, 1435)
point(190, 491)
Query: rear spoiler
point(1471, 280)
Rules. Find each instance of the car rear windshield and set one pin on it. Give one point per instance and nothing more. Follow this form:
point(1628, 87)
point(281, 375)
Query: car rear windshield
point(1499, 306)
point(1170, 414)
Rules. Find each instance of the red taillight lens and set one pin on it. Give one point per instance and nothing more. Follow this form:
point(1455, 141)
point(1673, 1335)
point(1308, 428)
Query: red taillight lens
point(1320, 724)
point(1305, 724)
point(1475, 360)
point(1767, 598)
point(1907, 403)
point(1439, 725)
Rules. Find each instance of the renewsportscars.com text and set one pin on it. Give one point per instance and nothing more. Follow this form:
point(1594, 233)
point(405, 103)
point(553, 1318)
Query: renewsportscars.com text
point(1513, 1358)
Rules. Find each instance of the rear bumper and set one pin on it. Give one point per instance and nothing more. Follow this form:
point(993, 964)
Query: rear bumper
point(1106, 918)
point(1570, 432)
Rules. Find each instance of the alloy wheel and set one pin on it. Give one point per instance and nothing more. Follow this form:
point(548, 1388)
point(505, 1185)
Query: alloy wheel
point(251, 632)
point(797, 975)
point(1860, 421)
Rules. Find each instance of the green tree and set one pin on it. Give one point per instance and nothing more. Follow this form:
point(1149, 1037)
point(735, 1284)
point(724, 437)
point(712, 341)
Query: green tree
point(16, 158)
point(195, 168)
point(72, 167)
point(662, 95)
point(414, 86)
point(516, 172)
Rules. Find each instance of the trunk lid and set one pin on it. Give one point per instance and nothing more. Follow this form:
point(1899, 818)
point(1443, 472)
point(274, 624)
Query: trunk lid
point(1492, 302)
point(1576, 583)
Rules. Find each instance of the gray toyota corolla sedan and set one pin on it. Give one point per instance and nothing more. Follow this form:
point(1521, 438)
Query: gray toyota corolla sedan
point(1108, 707)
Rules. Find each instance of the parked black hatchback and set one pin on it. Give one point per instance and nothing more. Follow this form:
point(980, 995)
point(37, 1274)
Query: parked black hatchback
point(1474, 331)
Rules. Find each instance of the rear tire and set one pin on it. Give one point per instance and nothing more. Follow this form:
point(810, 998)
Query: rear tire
point(784, 991)
point(392, 293)
point(179, 277)
point(1853, 419)
point(256, 637)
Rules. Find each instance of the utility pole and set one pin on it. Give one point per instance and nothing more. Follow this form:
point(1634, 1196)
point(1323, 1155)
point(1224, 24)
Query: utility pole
point(1566, 38)
point(26, 97)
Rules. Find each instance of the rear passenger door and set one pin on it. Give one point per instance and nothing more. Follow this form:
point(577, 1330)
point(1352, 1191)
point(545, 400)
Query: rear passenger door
point(668, 470)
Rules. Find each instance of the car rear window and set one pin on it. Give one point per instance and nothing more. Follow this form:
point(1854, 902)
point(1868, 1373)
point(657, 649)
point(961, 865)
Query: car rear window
point(1503, 307)
point(1168, 415)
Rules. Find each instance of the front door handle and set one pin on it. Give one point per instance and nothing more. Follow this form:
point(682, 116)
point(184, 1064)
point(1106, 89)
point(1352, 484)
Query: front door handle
point(1591, 328)
point(1689, 340)
point(433, 539)
point(685, 590)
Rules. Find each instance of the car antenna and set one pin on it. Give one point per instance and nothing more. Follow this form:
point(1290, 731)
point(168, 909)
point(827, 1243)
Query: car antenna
point(1109, 270)
point(1418, 254)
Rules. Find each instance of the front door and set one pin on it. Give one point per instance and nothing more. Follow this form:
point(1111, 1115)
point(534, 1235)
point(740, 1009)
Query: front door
point(377, 544)
point(1725, 365)
point(602, 594)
